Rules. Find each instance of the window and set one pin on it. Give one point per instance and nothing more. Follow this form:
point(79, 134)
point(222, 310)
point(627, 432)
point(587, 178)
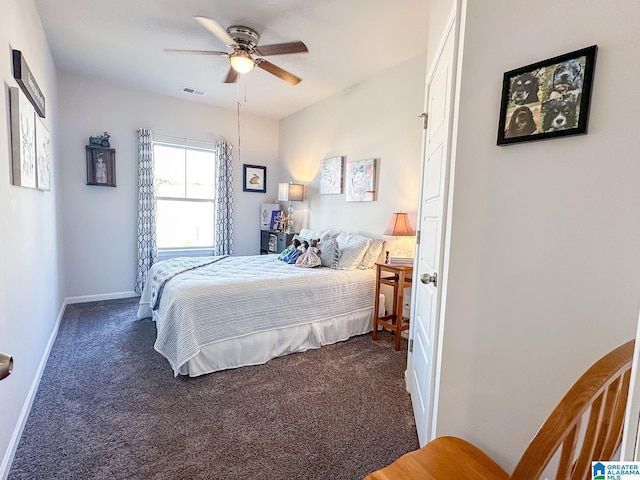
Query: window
point(184, 186)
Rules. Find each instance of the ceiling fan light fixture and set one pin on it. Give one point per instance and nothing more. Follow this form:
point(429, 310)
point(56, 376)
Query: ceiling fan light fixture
point(241, 61)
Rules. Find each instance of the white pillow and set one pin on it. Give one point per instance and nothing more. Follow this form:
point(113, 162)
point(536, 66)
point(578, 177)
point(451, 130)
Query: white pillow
point(319, 234)
point(353, 248)
point(327, 234)
point(307, 234)
point(372, 255)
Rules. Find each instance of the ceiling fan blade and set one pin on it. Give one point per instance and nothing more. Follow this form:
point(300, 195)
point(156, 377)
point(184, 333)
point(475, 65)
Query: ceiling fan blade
point(232, 76)
point(278, 72)
point(215, 28)
point(195, 52)
point(281, 48)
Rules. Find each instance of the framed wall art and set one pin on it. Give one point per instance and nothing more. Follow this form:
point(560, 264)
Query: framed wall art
point(254, 178)
point(331, 175)
point(101, 166)
point(547, 99)
point(43, 156)
point(360, 184)
point(23, 140)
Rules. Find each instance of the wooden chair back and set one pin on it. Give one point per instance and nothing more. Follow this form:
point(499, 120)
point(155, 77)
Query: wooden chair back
point(585, 426)
point(587, 423)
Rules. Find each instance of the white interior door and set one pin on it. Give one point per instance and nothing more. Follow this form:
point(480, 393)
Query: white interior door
point(422, 365)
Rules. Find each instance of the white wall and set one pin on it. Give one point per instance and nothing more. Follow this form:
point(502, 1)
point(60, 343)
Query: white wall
point(100, 222)
point(31, 283)
point(440, 13)
point(545, 263)
point(377, 118)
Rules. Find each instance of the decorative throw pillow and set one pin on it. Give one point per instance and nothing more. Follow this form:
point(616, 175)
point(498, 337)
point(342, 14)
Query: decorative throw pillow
point(373, 254)
point(329, 253)
point(353, 248)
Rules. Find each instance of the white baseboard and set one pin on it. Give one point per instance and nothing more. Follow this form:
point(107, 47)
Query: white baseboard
point(5, 466)
point(97, 298)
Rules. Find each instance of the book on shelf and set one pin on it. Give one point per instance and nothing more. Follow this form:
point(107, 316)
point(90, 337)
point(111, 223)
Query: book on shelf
point(273, 242)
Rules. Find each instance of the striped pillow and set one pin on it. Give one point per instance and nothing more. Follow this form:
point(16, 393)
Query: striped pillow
point(353, 248)
point(372, 255)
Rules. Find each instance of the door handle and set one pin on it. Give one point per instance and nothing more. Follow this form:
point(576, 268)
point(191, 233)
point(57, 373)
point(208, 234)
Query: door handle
point(427, 279)
point(6, 365)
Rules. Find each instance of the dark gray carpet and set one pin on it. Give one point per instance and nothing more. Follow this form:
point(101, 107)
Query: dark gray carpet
point(108, 407)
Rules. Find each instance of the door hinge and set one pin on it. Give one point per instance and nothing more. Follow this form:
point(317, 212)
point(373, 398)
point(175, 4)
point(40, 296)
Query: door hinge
point(425, 120)
point(411, 345)
point(418, 237)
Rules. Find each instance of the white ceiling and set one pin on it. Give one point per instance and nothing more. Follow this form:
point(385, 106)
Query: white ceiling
point(122, 41)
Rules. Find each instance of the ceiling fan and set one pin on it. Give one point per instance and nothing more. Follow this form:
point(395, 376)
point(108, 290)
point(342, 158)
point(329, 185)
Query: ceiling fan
point(246, 52)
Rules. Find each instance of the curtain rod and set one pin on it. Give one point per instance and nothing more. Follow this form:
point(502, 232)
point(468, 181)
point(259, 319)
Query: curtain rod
point(185, 139)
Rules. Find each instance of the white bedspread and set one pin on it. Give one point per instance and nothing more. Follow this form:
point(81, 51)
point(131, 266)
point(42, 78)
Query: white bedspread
point(240, 296)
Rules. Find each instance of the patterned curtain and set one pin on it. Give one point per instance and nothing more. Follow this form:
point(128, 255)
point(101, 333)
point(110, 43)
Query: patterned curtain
point(224, 200)
point(147, 248)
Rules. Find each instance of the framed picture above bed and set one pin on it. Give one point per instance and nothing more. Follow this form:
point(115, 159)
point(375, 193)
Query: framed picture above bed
point(361, 181)
point(331, 176)
point(547, 99)
point(254, 178)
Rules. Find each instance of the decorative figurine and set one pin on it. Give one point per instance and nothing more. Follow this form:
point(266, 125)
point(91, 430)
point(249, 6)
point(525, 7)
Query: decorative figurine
point(100, 140)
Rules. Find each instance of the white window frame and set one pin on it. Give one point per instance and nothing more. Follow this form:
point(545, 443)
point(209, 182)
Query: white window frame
point(170, 252)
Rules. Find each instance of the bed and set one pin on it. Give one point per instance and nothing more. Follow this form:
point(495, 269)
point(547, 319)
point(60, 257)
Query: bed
point(236, 311)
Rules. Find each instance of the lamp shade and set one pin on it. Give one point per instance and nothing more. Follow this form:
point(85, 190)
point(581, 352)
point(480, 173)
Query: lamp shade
point(290, 192)
point(400, 226)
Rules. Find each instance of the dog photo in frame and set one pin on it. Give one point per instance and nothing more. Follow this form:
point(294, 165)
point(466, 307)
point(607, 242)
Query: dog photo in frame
point(547, 99)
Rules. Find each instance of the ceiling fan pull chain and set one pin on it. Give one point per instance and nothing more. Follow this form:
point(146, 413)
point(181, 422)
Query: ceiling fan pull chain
point(238, 105)
point(245, 90)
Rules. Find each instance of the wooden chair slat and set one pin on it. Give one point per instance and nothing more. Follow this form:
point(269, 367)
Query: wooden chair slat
point(583, 463)
point(615, 435)
point(608, 415)
point(567, 454)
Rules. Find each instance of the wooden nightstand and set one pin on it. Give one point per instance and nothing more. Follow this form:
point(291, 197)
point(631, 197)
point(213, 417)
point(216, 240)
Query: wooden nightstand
point(399, 277)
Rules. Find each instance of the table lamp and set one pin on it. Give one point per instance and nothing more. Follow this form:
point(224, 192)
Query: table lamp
point(400, 227)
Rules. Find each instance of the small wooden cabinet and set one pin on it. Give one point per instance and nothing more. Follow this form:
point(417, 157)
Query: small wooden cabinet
point(273, 241)
point(398, 277)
